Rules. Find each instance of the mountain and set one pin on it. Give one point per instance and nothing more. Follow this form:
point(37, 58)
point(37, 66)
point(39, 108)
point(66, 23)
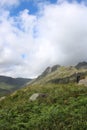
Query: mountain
point(62, 74)
point(53, 101)
point(81, 65)
point(48, 70)
point(9, 84)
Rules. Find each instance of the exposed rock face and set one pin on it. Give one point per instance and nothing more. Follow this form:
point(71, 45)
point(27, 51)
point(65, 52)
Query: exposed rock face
point(55, 67)
point(36, 96)
point(76, 77)
point(48, 70)
point(81, 65)
point(83, 82)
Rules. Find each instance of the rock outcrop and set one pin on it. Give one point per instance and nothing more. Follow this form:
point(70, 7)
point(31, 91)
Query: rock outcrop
point(81, 65)
point(48, 70)
point(83, 82)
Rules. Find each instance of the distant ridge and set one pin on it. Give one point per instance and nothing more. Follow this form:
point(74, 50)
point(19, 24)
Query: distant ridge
point(9, 84)
point(81, 65)
point(14, 81)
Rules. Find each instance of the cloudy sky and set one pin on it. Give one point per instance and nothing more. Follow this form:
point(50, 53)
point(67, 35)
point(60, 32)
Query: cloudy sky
point(35, 34)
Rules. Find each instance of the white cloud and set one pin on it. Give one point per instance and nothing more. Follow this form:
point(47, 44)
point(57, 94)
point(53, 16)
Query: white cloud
point(7, 3)
point(65, 27)
point(29, 43)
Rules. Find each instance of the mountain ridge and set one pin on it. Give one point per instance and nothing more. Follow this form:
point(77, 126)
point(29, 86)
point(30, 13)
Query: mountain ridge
point(81, 65)
point(62, 74)
point(9, 84)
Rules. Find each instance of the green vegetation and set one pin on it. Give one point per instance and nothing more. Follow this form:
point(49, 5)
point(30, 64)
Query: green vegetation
point(65, 108)
point(5, 88)
point(9, 84)
point(61, 73)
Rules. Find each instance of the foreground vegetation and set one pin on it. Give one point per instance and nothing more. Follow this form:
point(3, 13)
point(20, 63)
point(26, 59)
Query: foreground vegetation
point(65, 108)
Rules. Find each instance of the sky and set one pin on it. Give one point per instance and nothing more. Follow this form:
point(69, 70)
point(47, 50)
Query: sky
point(35, 34)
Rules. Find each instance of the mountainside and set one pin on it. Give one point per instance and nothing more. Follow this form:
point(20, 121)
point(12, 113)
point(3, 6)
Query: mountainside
point(49, 70)
point(54, 101)
point(82, 65)
point(9, 84)
point(62, 74)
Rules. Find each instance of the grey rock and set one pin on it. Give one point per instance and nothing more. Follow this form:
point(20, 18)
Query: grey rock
point(83, 82)
point(2, 98)
point(36, 96)
point(81, 65)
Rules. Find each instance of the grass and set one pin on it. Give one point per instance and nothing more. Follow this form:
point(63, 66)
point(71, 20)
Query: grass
point(60, 73)
point(65, 108)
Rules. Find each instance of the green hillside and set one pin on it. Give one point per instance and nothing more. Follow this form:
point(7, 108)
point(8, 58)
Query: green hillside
point(64, 106)
point(9, 84)
point(62, 72)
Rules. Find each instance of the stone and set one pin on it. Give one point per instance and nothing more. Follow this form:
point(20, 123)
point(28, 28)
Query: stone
point(36, 96)
point(2, 98)
point(83, 82)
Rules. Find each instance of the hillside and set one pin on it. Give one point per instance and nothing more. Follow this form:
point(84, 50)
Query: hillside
point(62, 74)
point(59, 106)
point(9, 84)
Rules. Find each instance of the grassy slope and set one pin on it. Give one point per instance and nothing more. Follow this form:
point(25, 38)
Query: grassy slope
point(64, 109)
point(61, 72)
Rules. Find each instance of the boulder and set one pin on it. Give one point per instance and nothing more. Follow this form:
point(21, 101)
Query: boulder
point(2, 98)
point(36, 96)
point(83, 82)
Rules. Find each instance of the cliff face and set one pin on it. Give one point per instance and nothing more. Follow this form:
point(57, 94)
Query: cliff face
point(49, 70)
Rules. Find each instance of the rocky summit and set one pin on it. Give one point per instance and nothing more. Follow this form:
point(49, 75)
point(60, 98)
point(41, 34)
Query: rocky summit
point(81, 65)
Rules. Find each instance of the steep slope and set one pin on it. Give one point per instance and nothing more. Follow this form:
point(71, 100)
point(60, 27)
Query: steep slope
point(9, 84)
point(64, 107)
point(81, 65)
point(63, 74)
point(49, 70)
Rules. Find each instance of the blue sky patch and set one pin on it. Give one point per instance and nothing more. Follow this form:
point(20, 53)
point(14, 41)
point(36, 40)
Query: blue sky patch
point(24, 56)
point(33, 6)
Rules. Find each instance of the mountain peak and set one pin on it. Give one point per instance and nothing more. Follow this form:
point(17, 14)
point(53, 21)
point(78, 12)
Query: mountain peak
point(48, 70)
point(81, 65)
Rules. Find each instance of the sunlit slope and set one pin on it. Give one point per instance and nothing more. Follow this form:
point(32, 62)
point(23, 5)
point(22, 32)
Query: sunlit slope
point(61, 73)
